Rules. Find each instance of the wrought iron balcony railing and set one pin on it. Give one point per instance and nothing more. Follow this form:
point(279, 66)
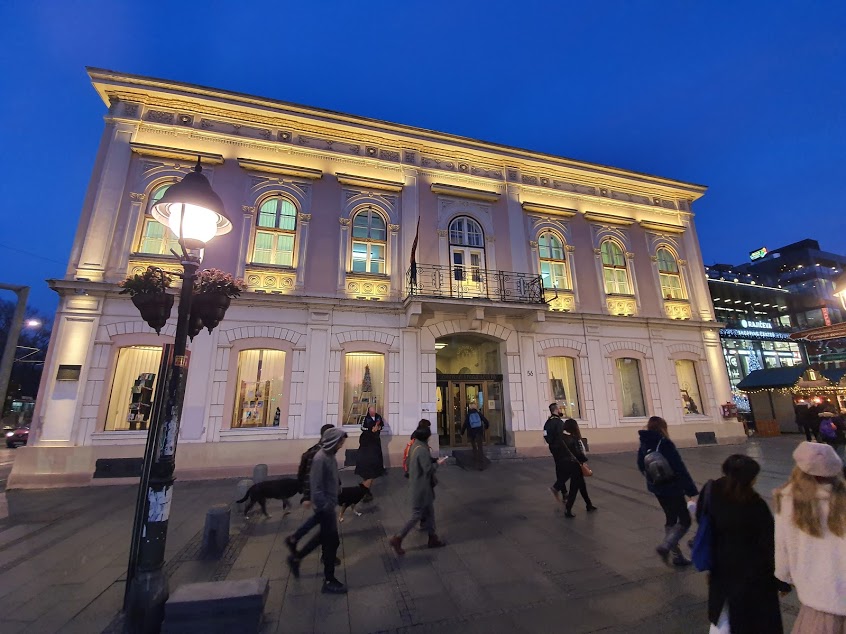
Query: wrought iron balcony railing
point(467, 282)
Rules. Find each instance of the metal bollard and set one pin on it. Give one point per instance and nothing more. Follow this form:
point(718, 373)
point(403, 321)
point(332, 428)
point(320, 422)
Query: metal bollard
point(259, 473)
point(240, 491)
point(216, 529)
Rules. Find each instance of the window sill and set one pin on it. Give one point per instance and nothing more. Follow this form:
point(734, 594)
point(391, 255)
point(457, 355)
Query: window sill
point(634, 420)
point(271, 267)
point(372, 276)
point(237, 434)
point(119, 437)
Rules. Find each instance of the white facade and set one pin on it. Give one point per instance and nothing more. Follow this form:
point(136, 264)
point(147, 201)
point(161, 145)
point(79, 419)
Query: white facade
point(325, 208)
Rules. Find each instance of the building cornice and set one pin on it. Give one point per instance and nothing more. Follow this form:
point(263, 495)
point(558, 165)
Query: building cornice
point(161, 151)
point(608, 219)
point(280, 168)
point(551, 210)
point(277, 113)
point(464, 192)
point(367, 182)
point(661, 227)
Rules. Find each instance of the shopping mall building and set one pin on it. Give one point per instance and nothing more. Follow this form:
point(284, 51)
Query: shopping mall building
point(538, 278)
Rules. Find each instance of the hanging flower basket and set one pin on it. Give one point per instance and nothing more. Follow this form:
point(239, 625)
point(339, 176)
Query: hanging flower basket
point(210, 309)
point(213, 292)
point(148, 291)
point(154, 309)
point(195, 323)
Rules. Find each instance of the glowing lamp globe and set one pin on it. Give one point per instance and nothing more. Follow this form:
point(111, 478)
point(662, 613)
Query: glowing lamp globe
point(840, 289)
point(192, 210)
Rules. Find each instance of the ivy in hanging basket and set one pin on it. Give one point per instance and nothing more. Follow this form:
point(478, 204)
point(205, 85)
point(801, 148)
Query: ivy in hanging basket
point(148, 293)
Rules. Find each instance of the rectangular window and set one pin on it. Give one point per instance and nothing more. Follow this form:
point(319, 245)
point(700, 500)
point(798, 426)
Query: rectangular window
point(133, 386)
point(631, 389)
point(274, 248)
point(616, 281)
point(368, 258)
point(364, 384)
point(157, 239)
point(554, 275)
point(258, 401)
point(671, 286)
point(689, 387)
point(377, 258)
point(562, 385)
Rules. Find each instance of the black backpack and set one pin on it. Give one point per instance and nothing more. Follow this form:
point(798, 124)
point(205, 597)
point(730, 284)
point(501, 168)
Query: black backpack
point(657, 467)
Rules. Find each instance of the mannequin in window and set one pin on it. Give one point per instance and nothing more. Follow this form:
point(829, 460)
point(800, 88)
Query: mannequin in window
point(369, 463)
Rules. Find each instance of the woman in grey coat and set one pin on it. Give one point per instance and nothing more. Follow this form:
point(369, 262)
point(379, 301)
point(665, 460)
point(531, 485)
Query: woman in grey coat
point(421, 476)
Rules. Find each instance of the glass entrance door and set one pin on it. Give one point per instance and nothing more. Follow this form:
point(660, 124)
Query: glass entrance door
point(455, 398)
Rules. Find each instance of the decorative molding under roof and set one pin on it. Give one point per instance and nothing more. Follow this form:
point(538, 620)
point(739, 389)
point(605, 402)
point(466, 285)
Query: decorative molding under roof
point(465, 192)
point(189, 156)
point(661, 227)
point(280, 168)
point(552, 210)
point(607, 219)
point(368, 182)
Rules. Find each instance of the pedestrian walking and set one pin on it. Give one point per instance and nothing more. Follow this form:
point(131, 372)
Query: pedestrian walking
point(832, 432)
point(811, 422)
point(474, 426)
point(810, 538)
point(369, 463)
point(742, 587)
point(324, 484)
point(553, 435)
point(422, 481)
point(668, 479)
point(577, 468)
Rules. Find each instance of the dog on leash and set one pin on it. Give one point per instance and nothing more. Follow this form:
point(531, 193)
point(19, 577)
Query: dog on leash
point(349, 497)
point(278, 489)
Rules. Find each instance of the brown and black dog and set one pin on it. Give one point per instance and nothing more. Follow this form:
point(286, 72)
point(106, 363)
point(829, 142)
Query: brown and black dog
point(349, 497)
point(279, 489)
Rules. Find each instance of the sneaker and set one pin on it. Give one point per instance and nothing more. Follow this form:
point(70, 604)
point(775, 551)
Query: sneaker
point(333, 586)
point(591, 508)
point(569, 514)
point(555, 493)
point(396, 544)
point(294, 565)
point(291, 544)
point(435, 542)
point(663, 553)
point(680, 561)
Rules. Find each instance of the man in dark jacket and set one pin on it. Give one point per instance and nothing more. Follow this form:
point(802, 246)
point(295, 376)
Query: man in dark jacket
point(553, 434)
point(305, 469)
point(324, 498)
point(474, 426)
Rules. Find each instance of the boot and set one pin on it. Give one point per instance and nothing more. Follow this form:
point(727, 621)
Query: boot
point(679, 560)
point(671, 540)
point(435, 542)
point(333, 586)
point(396, 544)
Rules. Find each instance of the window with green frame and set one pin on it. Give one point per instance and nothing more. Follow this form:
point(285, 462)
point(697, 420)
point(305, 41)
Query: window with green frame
point(614, 270)
point(156, 238)
point(276, 228)
point(668, 272)
point(553, 268)
point(369, 242)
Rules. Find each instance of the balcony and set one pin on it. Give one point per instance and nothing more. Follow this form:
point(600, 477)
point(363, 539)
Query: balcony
point(465, 282)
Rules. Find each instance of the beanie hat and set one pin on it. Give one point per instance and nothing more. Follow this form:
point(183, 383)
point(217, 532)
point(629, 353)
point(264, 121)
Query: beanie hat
point(331, 437)
point(817, 459)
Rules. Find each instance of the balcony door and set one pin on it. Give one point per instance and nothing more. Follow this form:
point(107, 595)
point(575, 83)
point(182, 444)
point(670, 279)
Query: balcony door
point(468, 277)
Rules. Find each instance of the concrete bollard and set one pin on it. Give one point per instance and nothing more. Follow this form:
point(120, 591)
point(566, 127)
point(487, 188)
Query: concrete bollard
point(216, 530)
point(240, 491)
point(259, 473)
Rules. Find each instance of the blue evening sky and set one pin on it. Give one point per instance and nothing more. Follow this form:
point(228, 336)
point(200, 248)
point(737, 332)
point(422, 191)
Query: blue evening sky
point(748, 98)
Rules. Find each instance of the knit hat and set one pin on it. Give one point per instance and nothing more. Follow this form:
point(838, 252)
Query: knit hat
point(331, 437)
point(817, 459)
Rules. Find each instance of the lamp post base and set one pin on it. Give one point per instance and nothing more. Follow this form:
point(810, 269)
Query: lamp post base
point(146, 602)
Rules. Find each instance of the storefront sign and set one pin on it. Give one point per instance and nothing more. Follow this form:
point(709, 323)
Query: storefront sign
point(735, 333)
point(765, 325)
point(757, 255)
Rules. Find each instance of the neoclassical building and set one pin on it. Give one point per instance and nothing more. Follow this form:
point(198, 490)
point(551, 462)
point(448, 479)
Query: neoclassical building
point(538, 279)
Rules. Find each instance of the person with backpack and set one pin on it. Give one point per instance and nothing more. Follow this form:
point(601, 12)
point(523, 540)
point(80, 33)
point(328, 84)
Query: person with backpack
point(667, 478)
point(833, 432)
point(742, 587)
point(553, 435)
point(810, 538)
point(421, 475)
point(474, 426)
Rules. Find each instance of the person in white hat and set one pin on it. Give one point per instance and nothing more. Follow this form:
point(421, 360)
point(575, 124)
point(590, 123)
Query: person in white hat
point(810, 538)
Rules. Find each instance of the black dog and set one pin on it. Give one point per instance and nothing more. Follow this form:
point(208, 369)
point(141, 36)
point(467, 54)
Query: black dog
point(279, 489)
point(349, 497)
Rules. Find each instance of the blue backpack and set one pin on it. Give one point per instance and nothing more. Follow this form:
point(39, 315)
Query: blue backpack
point(475, 420)
point(700, 554)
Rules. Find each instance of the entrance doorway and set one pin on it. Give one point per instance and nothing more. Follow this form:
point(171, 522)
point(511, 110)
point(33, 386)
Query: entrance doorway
point(468, 371)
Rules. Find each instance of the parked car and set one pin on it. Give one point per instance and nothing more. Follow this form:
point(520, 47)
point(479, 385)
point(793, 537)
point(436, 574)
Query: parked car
point(17, 437)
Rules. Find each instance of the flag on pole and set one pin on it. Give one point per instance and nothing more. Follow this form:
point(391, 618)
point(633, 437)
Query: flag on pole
point(413, 268)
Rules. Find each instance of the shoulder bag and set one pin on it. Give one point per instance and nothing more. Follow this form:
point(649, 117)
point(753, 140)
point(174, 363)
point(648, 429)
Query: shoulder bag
point(703, 540)
point(586, 470)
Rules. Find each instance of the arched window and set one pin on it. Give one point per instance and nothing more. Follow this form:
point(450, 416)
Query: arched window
point(467, 249)
point(466, 232)
point(668, 272)
point(276, 228)
point(614, 269)
point(156, 238)
point(369, 242)
point(552, 266)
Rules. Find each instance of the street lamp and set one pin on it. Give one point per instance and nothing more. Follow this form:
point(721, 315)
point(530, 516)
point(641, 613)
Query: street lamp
point(840, 289)
point(195, 214)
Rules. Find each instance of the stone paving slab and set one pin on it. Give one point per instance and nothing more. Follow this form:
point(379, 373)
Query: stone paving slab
point(513, 562)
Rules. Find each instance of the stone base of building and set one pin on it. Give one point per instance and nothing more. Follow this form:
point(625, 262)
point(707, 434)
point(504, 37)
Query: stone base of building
point(45, 467)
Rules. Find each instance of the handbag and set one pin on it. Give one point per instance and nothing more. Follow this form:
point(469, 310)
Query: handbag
point(586, 470)
point(700, 554)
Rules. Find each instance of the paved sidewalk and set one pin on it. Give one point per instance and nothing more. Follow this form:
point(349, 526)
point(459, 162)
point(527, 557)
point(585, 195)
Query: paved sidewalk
point(513, 562)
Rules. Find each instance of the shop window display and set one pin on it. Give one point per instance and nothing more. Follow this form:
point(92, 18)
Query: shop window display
point(261, 374)
point(689, 387)
point(632, 403)
point(135, 372)
point(562, 385)
point(364, 384)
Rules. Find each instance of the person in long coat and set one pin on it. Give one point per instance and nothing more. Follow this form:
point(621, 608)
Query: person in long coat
point(742, 587)
point(370, 463)
point(421, 476)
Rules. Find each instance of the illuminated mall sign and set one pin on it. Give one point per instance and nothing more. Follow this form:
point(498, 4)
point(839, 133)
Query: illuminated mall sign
point(763, 325)
point(757, 255)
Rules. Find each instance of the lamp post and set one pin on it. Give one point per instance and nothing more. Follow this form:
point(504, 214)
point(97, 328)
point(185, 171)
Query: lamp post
point(12, 336)
point(195, 213)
